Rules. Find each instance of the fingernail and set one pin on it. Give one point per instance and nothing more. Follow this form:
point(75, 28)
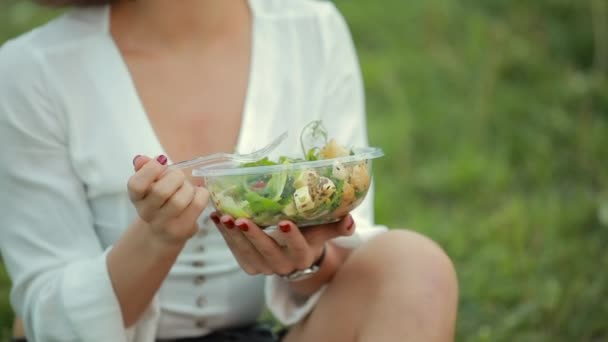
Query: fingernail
point(285, 227)
point(162, 159)
point(135, 158)
point(243, 226)
point(229, 223)
point(350, 224)
point(215, 218)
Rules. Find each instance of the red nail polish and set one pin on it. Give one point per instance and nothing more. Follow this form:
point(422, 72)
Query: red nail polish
point(229, 223)
point(285, 227)
point(162, 159)
point(215, 218)
point(350, 224)
point(135, 158)
point(243, 226)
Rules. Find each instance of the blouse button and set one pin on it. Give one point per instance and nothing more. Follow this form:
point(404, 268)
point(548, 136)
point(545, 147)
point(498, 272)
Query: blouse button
point(200, 249)
point(198, 263)
point(201, 323)
point(199, 280)
point(201, 301)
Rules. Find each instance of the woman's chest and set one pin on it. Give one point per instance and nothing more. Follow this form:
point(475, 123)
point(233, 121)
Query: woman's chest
point(194, 108)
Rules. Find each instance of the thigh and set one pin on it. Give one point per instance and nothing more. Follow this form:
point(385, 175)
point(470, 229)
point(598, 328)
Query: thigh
point(398, 286)
point(338, 312)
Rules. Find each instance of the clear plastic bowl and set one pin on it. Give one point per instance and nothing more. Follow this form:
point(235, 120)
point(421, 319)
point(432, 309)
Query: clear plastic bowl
point(306, 193)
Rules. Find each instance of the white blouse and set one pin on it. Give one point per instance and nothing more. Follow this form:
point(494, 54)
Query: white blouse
point(71, 122)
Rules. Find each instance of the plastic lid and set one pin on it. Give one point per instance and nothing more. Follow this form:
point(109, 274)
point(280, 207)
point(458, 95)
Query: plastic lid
point(231, 168)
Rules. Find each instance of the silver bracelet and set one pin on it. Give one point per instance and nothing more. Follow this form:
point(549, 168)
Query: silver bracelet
point(306, 273)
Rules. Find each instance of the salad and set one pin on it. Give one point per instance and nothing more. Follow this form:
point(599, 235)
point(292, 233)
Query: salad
point(321, 187)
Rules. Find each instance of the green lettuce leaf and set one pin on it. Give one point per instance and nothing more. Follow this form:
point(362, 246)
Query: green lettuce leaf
point(259, 204)
point(230, 207)
point(275, 186)
point(261, 162)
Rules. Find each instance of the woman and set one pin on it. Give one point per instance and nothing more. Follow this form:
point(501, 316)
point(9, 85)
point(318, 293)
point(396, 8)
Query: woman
point(100, 249)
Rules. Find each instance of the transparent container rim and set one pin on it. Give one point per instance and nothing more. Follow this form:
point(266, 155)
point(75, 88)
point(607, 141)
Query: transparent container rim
point(230, 169)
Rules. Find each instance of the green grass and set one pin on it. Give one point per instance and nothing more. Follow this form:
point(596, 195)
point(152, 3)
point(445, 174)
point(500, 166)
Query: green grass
point(6, 313)
point(494, 118)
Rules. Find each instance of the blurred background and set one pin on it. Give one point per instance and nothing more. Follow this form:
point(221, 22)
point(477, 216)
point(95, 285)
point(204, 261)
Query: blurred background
point(494, 118)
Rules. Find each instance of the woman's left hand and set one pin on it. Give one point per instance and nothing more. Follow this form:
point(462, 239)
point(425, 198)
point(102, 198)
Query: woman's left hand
point(287, 250)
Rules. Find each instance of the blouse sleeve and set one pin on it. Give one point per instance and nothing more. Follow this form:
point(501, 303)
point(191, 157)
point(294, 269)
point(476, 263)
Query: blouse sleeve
point(343, 114)
point(61, 286)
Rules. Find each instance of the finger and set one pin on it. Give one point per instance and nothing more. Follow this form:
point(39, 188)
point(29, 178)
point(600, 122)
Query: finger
point(187, 221)
point(300, 251)
point(246, 254)
point(179, 201)
point(215, 217)
point(248, 264)
point(196, 207)
point(272, 253)
point(139, 184)
point(163, 189)
point(318, 235)
point(224, 231)
point(198, 204)
point(139, 161)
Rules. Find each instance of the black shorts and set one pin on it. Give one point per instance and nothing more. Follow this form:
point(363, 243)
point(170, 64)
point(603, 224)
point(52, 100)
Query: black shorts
point(252, 333)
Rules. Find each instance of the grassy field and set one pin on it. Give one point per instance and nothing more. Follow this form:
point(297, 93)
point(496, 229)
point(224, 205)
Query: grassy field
point(494, 118)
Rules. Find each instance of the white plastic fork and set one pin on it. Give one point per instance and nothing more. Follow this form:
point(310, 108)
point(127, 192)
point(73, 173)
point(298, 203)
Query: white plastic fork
point(217, 158)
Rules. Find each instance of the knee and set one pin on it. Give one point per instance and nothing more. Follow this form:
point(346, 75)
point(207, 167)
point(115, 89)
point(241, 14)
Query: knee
point(404, 259)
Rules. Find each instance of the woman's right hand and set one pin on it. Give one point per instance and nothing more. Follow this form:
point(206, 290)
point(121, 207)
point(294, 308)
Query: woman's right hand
point(166, 200)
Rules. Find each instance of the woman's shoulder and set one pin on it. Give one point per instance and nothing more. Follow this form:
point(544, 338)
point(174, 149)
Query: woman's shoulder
point(290, 9)
point(307, 21)
point(24, 59)
point(67, 29)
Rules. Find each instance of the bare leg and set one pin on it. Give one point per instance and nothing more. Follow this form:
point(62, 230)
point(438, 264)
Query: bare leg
point(398, 286)
point(18, 331)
